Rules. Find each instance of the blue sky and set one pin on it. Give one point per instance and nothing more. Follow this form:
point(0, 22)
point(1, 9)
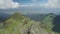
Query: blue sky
point(31, 1)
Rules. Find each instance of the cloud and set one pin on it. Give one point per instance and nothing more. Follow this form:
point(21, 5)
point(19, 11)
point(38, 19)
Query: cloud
point(30, 5)
point(5, 4)
point(52, 4)
point(49, 4)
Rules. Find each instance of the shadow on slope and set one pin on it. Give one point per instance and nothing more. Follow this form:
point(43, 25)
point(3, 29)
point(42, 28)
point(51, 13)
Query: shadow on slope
point(56, 22)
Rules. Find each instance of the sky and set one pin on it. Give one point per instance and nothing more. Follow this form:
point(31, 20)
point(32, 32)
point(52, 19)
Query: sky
point(5, 4)
point(12, 4)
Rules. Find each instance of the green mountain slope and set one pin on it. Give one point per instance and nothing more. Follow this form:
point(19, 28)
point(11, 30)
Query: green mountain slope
point(21, 24)
point(48, 22)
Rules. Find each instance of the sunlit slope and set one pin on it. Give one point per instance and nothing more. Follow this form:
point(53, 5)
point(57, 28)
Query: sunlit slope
point(21, 24)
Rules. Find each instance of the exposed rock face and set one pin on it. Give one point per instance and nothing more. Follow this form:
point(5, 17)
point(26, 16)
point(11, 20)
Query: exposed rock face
point(37, 29)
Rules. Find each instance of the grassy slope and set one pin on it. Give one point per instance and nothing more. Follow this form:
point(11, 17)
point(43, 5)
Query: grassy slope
point(20, 24)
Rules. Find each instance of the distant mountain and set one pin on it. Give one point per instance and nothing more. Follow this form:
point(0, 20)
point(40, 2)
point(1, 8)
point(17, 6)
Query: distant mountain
point(32, 10)
point(4, 16)
point(37, 17)
point(56, 22)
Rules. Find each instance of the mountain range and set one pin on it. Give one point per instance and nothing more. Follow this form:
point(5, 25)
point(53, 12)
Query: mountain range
point(29, 24)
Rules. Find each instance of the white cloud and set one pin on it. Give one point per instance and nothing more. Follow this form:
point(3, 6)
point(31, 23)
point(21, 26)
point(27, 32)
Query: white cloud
point(31, 5)
point(4, 4)
point(49, 4)
point(52, 4)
